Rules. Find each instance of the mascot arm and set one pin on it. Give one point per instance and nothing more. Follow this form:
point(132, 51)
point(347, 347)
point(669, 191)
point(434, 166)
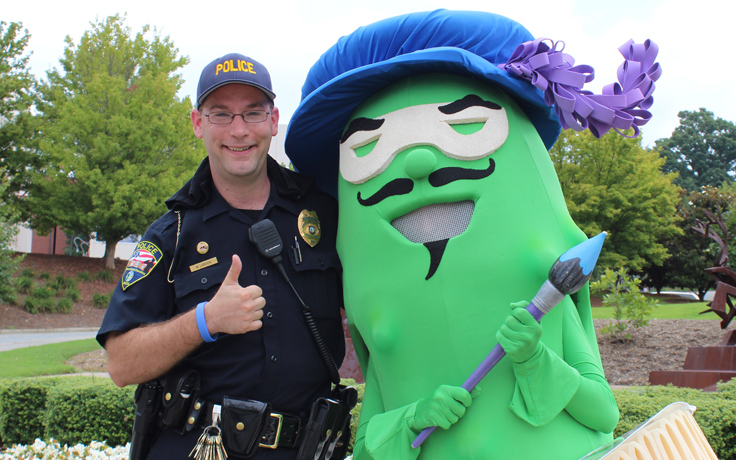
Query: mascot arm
point(389, 434)
point(547, 384)
point(383, 435)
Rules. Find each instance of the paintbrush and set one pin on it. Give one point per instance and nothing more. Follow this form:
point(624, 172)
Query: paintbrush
point(568, 274)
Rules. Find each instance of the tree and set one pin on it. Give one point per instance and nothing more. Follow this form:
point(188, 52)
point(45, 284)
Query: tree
point(614, 184)
point(702, 150)
point(691, 252)
point(17, 124)
point(117, 138)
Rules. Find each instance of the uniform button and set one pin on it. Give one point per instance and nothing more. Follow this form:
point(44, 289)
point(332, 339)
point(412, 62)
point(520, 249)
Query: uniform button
point(269, 314)
point(264, 272)
point(204, 280)
point(273, 358)
point(321, 263)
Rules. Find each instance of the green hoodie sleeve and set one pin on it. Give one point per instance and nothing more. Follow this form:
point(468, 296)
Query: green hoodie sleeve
point(547, 384)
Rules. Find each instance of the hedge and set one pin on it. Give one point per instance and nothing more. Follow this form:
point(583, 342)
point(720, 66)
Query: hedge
point(71, 410)
point(83, 409)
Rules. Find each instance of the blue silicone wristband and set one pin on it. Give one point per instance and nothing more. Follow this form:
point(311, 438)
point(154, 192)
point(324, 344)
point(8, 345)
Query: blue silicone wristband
point(202, 324)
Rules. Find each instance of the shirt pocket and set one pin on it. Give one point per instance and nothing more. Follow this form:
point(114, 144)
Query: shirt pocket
point(199, 286)
point(318, 281)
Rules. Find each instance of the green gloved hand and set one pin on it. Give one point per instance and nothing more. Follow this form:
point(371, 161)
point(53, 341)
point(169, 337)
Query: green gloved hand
point(520, 333)
point(444, 408)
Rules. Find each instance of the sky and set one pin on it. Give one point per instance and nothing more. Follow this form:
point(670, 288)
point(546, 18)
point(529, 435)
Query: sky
point(288, 36)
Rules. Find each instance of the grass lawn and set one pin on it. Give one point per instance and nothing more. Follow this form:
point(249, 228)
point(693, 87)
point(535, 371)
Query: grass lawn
point(49, 359)
point(43, 359)
point(685, 310)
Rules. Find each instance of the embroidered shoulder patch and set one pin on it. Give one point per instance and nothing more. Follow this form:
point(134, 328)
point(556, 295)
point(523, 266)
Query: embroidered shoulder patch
point(145, 257)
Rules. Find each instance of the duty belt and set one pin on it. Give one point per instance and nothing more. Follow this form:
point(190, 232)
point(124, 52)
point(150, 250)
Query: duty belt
point(280, 429)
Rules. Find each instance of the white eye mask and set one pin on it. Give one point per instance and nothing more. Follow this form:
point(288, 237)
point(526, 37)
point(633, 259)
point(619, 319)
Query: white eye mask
point(423, 125)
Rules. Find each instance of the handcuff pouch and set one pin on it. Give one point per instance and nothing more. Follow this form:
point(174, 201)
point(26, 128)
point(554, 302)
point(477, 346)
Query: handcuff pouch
point(242, 424)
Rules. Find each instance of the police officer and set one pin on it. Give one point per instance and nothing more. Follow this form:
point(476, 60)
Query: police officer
point(197, 295)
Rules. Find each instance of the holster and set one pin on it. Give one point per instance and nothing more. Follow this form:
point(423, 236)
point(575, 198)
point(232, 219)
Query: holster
point(327, 434)
point(157, 405)
point(147, 422)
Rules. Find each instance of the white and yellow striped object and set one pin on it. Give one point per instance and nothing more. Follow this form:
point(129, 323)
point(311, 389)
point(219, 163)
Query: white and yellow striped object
point(672, 434)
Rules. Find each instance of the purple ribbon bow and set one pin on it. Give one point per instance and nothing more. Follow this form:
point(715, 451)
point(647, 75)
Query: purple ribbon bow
point(621, 106)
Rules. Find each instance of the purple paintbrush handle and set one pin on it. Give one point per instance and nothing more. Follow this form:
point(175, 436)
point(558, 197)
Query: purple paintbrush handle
point(481, 371)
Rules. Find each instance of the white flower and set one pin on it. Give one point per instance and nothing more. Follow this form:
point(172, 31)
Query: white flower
point(52, 450)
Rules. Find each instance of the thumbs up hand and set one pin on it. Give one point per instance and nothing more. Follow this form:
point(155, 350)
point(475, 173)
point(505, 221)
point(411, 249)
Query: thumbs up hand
point(235, 309)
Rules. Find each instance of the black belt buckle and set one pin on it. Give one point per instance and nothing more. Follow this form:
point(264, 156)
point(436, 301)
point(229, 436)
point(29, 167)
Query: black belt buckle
point(279, 420)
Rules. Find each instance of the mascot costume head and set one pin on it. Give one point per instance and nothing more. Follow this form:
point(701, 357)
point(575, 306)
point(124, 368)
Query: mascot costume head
point(433, 131)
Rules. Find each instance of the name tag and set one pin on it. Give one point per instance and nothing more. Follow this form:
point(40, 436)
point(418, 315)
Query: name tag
point(201, 265)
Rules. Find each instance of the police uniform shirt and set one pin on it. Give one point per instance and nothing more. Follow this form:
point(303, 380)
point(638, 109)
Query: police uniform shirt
point(278, 363)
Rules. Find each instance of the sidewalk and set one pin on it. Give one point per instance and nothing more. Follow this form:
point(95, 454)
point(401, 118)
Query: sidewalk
point(19, 338)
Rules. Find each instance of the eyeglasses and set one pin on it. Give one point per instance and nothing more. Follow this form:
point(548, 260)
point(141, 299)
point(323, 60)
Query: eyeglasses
point(225, 118)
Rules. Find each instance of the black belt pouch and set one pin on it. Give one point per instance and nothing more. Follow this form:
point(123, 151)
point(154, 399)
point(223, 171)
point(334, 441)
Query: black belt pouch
point(180, 391)
point(242, 424)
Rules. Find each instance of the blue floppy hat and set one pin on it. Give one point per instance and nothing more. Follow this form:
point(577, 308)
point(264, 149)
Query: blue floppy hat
point(466, 43)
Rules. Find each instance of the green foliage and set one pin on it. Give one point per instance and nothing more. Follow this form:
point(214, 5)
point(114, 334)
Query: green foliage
point(8, 260)
point(715, 414)
point(72, 294)
point(702, 150)
point(43, 292)
point(691, 252)
point(106, 276)
point(64, 305)
point(17, 123)
point(70, 409)
point(62, 283)
point(85, 410)
point(616, 185)
point(22, 409)
point(24, 284)
point(117, 133)
point(101, 300)
point(631, 309)
point(84, 276)
point(55, 295)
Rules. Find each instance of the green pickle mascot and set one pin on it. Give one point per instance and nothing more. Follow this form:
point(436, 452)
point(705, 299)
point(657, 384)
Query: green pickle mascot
point(451, 215)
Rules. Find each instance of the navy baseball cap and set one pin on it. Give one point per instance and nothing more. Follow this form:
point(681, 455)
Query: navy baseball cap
point(233, 68)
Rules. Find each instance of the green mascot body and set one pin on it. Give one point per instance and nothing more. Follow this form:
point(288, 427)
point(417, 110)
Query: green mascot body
point(414, 334)
point(432, 130)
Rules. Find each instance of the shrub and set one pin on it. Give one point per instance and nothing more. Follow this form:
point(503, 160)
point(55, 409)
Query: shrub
point(72, 294)
point(64, 305)
point(45, 276)
point(716, 412)
point(84, 276)
point(631, 308)
point(34, 304)
point(62, 283)
point(69, 409)
point(27, 273)
point(106, 276)
point(43, 292)
point(22, 409)
point(24, 284)
point(101, 300)
point(85, 410)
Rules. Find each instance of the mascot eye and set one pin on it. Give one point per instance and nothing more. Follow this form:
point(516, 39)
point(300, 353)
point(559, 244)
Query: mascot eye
point(467, 129)
point(467, 125)
point(364, 150)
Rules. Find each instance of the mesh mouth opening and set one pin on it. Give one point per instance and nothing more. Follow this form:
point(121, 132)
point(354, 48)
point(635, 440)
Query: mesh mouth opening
point(435, 222)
